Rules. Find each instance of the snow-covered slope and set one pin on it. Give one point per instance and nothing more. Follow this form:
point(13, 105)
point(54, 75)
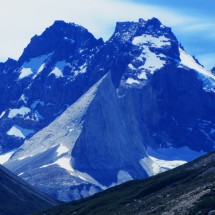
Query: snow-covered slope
point(103, 114)
point(207, 77)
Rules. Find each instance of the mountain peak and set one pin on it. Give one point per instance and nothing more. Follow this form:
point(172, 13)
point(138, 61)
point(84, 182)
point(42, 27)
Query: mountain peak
point(149, 41)
point(154, 21)
point(125, 26)
point(126, 30)
point(59, 36)
point(59, 24)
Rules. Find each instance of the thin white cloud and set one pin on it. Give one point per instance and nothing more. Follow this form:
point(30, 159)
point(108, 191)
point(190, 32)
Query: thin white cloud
point(20, 20)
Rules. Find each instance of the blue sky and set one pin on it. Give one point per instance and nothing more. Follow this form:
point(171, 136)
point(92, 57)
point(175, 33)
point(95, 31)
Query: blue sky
point(191, 21)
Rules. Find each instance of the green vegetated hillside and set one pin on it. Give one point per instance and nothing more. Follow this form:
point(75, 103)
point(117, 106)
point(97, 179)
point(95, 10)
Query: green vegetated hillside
point(188, 189)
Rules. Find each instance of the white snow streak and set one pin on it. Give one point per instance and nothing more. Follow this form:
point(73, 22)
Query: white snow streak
point(2, 114)
point(5, 157)
point(146, 39)
point(189, 62)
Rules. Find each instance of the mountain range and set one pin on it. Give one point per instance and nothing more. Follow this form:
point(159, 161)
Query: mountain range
point(80, 115)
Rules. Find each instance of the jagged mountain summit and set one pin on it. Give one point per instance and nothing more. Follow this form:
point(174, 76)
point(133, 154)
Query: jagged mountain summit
point(19, 198)
point(125, 109)
point(48, 77)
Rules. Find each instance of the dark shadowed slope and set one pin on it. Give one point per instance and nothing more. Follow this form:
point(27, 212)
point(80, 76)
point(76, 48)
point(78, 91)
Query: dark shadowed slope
point(189, 189)
point(19, 198)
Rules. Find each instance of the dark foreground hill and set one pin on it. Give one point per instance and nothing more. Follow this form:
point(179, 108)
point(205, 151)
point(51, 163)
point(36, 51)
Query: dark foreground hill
point(188, 189)
point(19, 198)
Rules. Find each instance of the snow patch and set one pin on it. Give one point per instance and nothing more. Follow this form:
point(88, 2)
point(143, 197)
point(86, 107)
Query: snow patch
point(132, 81)
point(35, 63)
point(157, 42)
point(62, 149)
point(23, 111)
point(41, 68)
point(152, 63)
point(154, 166)
point(20, 132)
point(25, 72)
point(131, 66)
point(44, 166)
point(65, 164)
point(57, 72)
point(2, 114)
point(123, 176)
point(23, 98)
point(142, 75)
point(83, 68)
point(162, 159)
point(189, 62)
point(22, 173)
point(5, 157)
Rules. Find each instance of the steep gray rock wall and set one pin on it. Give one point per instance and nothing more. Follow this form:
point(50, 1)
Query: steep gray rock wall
point(110, 140)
